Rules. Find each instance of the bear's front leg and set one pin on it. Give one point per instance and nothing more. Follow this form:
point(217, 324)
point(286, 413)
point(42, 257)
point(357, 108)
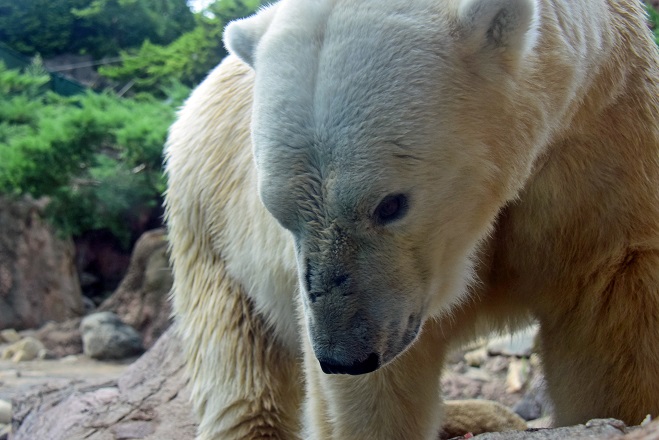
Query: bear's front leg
point(245, 383)
point(398, 401)
point(601, 357)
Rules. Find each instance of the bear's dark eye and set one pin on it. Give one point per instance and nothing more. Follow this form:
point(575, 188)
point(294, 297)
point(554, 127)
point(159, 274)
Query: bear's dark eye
point(391, 208)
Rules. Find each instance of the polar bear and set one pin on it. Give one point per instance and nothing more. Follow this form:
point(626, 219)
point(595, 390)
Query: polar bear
point(422, 172)
point(244, 360)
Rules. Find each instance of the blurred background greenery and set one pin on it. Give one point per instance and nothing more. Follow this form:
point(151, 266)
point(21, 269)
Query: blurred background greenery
point(93, 146)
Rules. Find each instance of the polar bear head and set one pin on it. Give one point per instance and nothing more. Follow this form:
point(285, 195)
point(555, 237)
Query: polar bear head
point(382, 135)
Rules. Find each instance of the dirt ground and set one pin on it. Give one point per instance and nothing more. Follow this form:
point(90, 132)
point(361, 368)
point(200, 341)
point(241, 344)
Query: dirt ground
point(16, 378)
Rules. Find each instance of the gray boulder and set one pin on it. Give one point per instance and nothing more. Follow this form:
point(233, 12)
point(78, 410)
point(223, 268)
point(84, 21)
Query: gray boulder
point(105, 336)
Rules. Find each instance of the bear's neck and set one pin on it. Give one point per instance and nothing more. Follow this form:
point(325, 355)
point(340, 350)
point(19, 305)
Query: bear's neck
point(596, 184)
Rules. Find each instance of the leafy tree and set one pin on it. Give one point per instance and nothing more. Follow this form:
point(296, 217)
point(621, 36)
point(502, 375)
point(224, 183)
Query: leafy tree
point(186, 60)
point(37, 25)
point(119, 24)
point(98, 27)
point(96, 156)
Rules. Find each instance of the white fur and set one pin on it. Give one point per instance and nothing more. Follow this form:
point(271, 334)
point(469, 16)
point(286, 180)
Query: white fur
point(241, 36)
point(270, 282)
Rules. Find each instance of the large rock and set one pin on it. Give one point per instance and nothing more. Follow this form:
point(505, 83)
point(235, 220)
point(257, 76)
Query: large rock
point(105, 336)
point(38, 281)
point(141, 300)
point(603, 429)
point(649, 431)
point(149, 401)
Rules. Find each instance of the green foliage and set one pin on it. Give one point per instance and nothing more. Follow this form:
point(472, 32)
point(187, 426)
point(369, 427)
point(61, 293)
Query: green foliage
point(98, 27)
point(42, 25)
point(96, 156)
point(188, 59)
point(30, 85)
point(653, 15)
point(227, 10)
point(153, 68)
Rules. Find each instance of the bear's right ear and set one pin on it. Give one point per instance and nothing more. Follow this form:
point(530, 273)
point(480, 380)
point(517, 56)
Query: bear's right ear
point(242, 36)
point(503, 29)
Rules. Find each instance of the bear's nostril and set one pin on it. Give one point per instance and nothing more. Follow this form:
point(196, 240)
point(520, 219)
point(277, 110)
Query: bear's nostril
point(340, 280)
point(370, 364)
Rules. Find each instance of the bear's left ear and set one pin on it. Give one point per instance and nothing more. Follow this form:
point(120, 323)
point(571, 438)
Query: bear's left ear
point(242, 36)
point(501, 28)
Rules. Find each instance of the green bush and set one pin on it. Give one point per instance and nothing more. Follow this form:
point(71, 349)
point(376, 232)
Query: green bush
point(96, 156)
point(153, 68)
point(654, 21)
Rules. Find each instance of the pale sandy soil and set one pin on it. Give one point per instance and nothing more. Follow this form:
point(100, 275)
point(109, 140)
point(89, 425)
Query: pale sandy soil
point(17, 377)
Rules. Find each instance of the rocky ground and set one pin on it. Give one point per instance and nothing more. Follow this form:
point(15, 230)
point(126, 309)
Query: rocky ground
point(55, 397)
point(19, 379)
point(504, 369)
point(79, 398)
point(71, 366)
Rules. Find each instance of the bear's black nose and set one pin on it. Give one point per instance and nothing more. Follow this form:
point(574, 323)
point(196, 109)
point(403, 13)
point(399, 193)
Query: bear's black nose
point(370, 364)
